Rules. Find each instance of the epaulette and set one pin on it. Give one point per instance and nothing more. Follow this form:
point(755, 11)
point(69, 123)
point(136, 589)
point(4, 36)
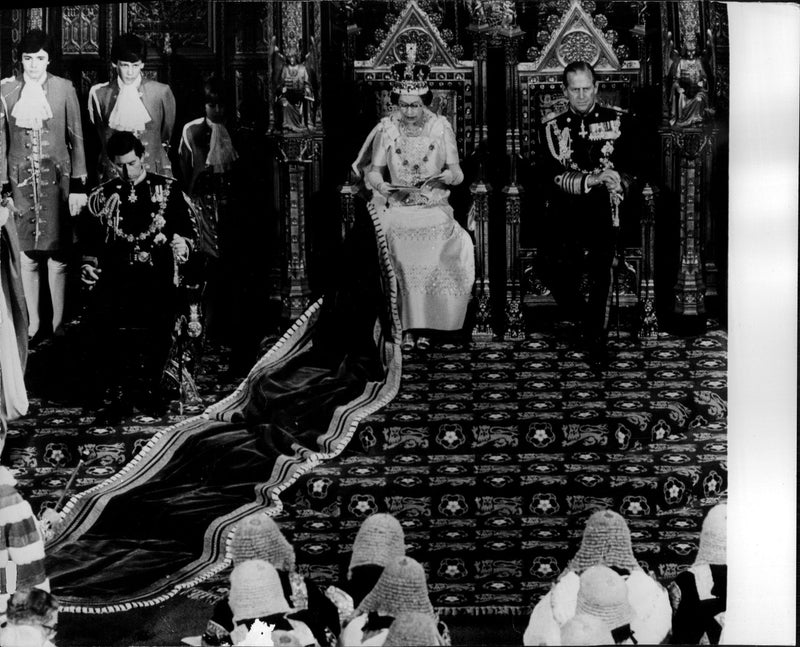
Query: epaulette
point(104, 185)
point(8, 79)
point(621, 111)
point(159, 176)
point(552, 115)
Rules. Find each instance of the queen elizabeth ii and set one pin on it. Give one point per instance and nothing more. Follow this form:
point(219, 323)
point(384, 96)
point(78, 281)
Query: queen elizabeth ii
point(431, 254)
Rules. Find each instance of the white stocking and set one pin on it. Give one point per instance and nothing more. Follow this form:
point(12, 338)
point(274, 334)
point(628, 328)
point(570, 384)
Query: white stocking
point(57, 280)
point(30, 286)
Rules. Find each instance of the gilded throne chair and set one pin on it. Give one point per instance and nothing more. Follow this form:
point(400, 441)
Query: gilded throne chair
point(540, 95)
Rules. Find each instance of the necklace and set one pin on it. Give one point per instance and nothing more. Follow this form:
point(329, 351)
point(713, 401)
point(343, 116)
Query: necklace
point(411, 129)
point(110, 214)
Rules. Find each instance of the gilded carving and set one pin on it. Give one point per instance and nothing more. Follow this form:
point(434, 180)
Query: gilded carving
point(292, 24)
point(186, 21)
point(35, 18)
point(578, 46)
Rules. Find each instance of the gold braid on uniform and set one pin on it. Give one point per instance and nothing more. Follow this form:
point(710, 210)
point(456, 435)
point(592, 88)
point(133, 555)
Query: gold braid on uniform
point(571, 182)
point(97, 201)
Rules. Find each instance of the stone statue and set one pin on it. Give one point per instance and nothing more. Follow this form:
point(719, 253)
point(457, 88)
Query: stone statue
point(690, 80)
point(294, 82)
point(509, 14)
point(478, 12)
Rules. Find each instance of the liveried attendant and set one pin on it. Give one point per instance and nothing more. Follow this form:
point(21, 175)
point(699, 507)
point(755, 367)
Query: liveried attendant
point(43, 171)
point(132, 103)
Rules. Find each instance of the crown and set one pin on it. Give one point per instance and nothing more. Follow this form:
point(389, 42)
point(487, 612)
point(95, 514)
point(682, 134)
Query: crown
point(410, 77)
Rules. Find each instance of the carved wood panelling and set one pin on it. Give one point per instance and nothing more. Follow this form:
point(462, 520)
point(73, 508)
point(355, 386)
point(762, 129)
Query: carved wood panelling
point(80, 29)
point(292, 24)
point(186, 22)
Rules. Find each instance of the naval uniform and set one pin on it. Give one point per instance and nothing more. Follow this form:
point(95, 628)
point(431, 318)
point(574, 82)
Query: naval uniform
point(580, 232)
point(127, 234)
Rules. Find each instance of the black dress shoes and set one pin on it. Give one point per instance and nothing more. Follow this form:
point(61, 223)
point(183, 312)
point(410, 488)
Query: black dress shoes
point(114, 413)
point(597, 355)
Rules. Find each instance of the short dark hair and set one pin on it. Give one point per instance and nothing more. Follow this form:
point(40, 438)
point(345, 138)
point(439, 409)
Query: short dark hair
point(427, 98)
point(33, 41)
point(577, 66)
point(212, 90)
point(123, 142)
point(129, 48)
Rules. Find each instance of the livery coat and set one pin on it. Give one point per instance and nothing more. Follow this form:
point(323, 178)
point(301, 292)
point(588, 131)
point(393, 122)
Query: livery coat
point(193, 151)
point(159, 102)
point(44, 166)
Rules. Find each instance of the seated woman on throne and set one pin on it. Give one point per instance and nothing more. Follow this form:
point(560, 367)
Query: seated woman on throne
point(431, 254)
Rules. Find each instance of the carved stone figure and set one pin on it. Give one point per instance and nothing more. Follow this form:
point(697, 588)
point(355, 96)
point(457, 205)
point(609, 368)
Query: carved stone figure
point(478, 12)
point(295, 84)
point(690, 86)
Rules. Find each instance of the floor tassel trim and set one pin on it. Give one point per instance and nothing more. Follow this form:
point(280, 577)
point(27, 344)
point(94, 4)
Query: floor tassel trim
point(483, 611)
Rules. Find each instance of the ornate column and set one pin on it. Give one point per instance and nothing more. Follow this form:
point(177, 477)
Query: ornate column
point(299, 160)
point(510, 36)
point(480, 192)
point(299, 155)
point(480, 48)
point(690, 288)
point(648, 323)
point(514, 321)
point(347, 190)
point(688, 136)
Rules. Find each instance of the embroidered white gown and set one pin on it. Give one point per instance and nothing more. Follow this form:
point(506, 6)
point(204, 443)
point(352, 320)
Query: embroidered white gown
point(432, 256)
point(13, 395)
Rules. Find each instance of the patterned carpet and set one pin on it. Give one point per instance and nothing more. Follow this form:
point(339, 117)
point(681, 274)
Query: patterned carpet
point(44, 447)
point(492, 457)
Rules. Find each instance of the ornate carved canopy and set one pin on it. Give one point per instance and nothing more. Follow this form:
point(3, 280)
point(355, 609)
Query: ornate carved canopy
point(451, 81)
point(576, 38)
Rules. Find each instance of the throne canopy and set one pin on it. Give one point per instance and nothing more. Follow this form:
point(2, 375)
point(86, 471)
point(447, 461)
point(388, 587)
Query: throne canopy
point(451, 80)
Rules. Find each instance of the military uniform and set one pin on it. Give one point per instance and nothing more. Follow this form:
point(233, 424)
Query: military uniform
point(127, 234)
point(580, 231)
